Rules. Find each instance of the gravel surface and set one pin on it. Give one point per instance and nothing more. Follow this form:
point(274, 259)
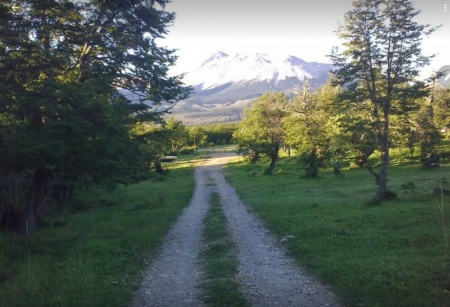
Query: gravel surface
point(267, 275)
point(174, 278)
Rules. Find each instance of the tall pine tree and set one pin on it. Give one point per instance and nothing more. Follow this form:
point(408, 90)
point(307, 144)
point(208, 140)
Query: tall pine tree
point(380, 64)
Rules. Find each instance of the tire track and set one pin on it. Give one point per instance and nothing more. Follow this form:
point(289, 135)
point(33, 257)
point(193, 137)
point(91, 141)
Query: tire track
point(174, 277)
point(269, 278)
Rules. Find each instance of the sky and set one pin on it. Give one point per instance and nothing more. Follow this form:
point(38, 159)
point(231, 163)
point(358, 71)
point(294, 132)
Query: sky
point(287, 27)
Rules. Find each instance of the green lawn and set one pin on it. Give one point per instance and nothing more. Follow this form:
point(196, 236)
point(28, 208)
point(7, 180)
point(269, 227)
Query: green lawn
point(93, 257)
point(393, 254)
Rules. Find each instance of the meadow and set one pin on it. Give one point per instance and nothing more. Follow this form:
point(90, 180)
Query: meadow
point(392, 254)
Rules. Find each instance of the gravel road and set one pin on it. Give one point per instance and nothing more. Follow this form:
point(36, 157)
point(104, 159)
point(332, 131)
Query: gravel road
point(268, 277)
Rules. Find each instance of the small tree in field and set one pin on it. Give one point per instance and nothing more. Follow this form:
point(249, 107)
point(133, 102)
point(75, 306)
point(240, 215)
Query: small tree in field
point(261, 130)
point(309, 127)
point(379, 65)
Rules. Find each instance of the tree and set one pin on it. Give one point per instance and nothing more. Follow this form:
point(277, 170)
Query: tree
point(441, 109)
point(219, 134)
point(63, 118)
point(380, 63)
point(176, 134)
point(261, 130)
point(428, 133)
point(197, 136)
point(308, 127)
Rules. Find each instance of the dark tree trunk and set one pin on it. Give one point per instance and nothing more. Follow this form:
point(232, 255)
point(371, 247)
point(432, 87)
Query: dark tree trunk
point(254, 157)
point(336, 168)
point(273, 159)
point(158, 167)
point(63, 188)
point(312, 170)
point(381, 192)
point(288, 149)
point(382, 178)
point(36, 196)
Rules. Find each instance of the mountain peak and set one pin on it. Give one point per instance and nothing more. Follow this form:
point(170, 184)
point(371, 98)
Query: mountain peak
point(221, 69)
point(225, 84)
point(215, 56)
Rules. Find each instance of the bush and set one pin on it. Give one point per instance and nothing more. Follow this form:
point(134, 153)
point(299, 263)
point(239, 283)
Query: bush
point(311, 164)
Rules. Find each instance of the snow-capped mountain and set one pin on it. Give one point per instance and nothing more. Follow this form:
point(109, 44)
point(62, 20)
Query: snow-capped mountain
point(220, 69)
point(224, 84)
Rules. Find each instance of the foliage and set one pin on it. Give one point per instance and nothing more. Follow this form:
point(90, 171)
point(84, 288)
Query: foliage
point(429, 135)
point(197, 136)
point(310, 130)
point(405, 133)
point(188, 150)
point(219, 134)
point(441, 110)
point(356, 133)
point(261, 130)
point(76, 77)
point(175, 134)
point(379, 65)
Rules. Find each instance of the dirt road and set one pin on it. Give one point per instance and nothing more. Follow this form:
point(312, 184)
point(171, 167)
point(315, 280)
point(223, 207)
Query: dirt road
point(267, 276)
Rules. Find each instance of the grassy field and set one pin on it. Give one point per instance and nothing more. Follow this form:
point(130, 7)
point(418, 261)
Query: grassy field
point(93, 257)
point(394, 254)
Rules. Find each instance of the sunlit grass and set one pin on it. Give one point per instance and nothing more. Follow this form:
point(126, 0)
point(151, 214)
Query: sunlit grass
point(393, 254)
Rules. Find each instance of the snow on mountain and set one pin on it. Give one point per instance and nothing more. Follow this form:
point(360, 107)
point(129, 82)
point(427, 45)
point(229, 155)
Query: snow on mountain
point(220, 69)
point(225, 84)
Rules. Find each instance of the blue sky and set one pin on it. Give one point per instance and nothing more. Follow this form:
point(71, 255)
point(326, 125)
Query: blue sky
point(294, 27)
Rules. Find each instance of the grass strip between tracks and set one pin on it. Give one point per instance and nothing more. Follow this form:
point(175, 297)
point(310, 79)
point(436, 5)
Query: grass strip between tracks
point(220, 287)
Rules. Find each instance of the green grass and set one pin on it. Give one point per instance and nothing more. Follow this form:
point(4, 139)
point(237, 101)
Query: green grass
point(220, 287)
point(94, 257)
point(393, 254)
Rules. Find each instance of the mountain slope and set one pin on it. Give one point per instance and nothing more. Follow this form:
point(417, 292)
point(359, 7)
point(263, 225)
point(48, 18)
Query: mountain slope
point(225, 84)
